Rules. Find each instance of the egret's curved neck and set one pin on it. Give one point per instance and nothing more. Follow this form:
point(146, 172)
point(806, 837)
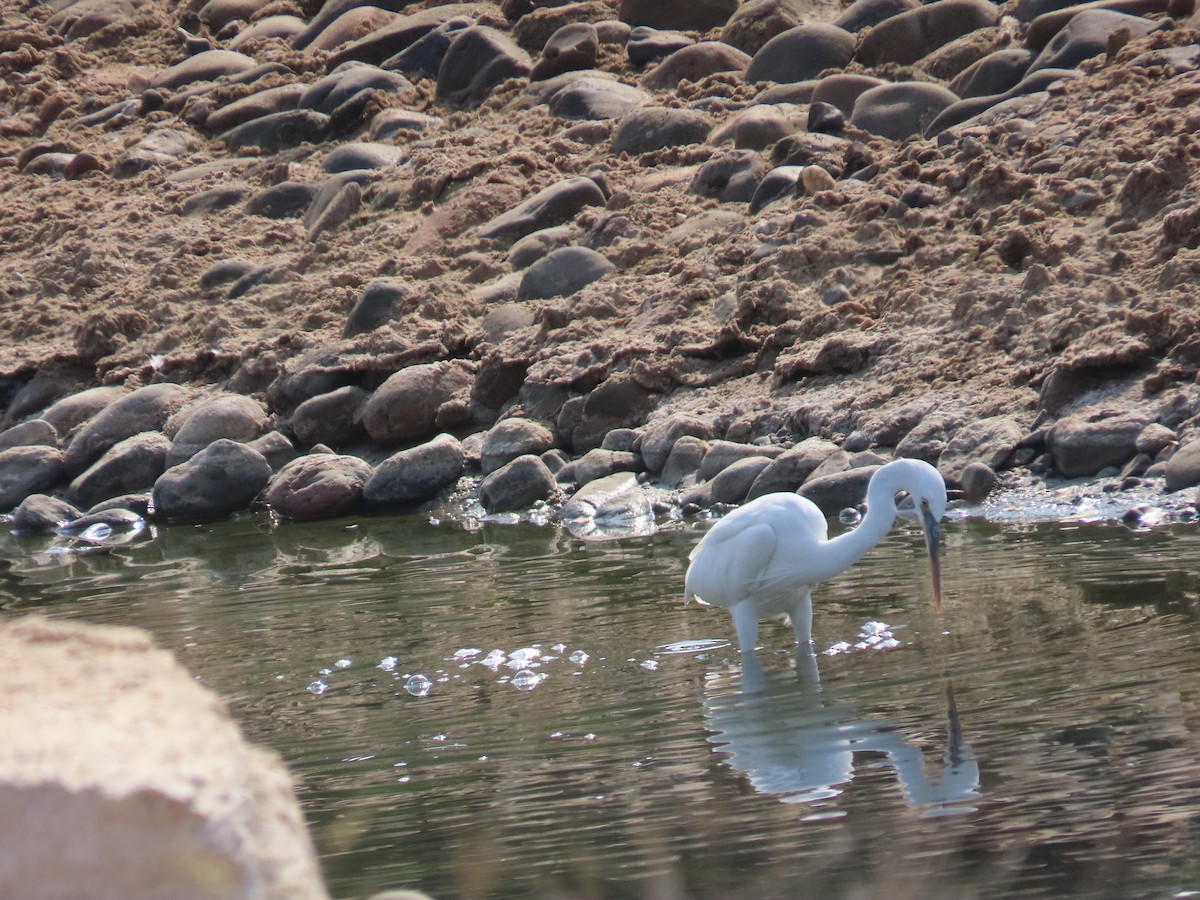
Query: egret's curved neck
point(846, 549)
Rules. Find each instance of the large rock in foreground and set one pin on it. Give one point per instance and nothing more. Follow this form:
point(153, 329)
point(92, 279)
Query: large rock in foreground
point(152, 793)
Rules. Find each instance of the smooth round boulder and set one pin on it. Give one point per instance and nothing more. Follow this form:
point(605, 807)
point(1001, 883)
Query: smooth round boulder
point(345, 82)
point(216, 14)
point(757, 21)
point(833, 493)
point(517, 485)
point(334, 418)
point(899, 111)
point(593, 97)
point(362, 155)
point(375, 307)
point(72, 411)
point(261, 103)
point(572, 47)
point(907, 37)
point(510, 438)
point(1086, 35)
point(598, 463)
point(731, 177)
point(863, 14)
point(558, 203)
point(695, 62)
point(193, 428)
point(659, 437)
point(28, 470)
point(994, 74)
point(34, 433)
point(40, 513)
point(990, 441)
point(758, 127)
point(131, 465)
point(404, 408)
point(350, 25)
point(791, 469)
point(318, 486)
point(1084, 443)
point(476, 62)
point(684, 15)
point(562, 272)
point(654, 128)
point(1183, 468)
point(683, 461)
point(977, 480)
point(278, 131)
point(423, 57)
point(801, 53)
point(416, 475)
point(142, 410)
point(283, 27)
point(207, 66)
point(646, 45)
point(286, 200)
point(221, 479)
point(733, 483)
point(778, 184)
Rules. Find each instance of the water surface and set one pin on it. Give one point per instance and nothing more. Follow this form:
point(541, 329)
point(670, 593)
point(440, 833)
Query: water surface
point(510, 711)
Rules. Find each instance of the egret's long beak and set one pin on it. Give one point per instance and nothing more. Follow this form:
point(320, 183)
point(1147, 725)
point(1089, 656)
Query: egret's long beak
point(932, 532)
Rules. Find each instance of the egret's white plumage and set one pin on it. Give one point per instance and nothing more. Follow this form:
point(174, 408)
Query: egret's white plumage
point(766, 557)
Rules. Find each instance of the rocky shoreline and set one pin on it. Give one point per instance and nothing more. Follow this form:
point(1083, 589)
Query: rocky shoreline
point(333, 258)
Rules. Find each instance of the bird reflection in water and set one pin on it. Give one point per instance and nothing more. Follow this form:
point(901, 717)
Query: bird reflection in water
point(792, 739)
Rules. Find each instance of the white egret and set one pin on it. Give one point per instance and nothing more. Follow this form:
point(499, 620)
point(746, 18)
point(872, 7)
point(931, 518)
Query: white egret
point(765, 558)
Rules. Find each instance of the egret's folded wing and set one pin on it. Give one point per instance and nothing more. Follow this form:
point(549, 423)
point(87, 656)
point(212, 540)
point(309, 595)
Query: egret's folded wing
point(729, 560)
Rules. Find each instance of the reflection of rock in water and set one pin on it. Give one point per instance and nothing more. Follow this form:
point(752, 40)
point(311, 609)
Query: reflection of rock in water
point(615, 506)
point(792, 739)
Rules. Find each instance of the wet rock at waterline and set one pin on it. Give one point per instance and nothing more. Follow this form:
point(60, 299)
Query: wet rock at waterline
point(129, 465)
point(144, 410)
point(223, 478)
point(510, 438)
point(80, 764)
point(40, 513)
point(517, 485)
point(318, 486)
point(415, 475)
point(28, 470)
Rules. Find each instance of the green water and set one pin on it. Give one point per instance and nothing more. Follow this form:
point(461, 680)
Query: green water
point(1038, 739)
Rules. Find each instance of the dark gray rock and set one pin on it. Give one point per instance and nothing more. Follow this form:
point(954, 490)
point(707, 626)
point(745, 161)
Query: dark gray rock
point(477, 60)
point(757, 21)
point(214, 200)
point(334, 419)
point(1153, 439)
point(685, 15)
point(994, 74)
point(34, 433)
point(275, 448)
point(279, 131)
point(572, 47)
point(778, 184)
point(359, 155)
point(510, 438)
point(592, 97)
point(801, 53)
point(659, 437)
point(652, 128)
point(72, 411)
point(684, 460)
point(842, 90)
point(226, 271)
point(647, 45)
point(731, 177)
point(28, 470)
point(562, 272)
point(39, 513)
point(388, 124)
point(990, 441)
point(927, 439)
point(599, 463)
point(533, 247)
point(790, 469)
point(833, 493)
point(207, 66)
point(733, 483)
point(338, 87)
point(405, 407)
point(225, 415)
point(423, 57)
point(132, 464)
point(283, 27)
point(758, 127)
point(1084, 443)
point(375, 307)
point(554, 205)
point(416, 475)
point(899, 111)
point(722, 454)
point(400, 34)
point(907, 37)
point(1087, 35)
point(259, 104)
point(964, 110)
point(863, 14)
point(329, 194)
point(146, 409)
point(694, 62)
point(977, 480)
point(517, 485)
point(318, 486)
point(223, 478)
point(286, 200)
point(1183, 468)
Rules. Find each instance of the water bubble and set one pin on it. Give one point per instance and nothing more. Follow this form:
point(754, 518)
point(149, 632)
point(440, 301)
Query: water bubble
point(318, 687)
point(850, 516)
point(326, 672)
point(343, 663)
point(524, 656)
point(467, 652)
point(418, 685)
point(839, 647)
point(95, 534)
point(589, 737)
point(388, 663)
point(559, 648)
point(526, 680)
point(650, 665)
point(493, 660)
point(579, 657)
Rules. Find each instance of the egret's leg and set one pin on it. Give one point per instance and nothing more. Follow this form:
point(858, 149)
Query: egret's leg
point(801, 616)
point(745, 620)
